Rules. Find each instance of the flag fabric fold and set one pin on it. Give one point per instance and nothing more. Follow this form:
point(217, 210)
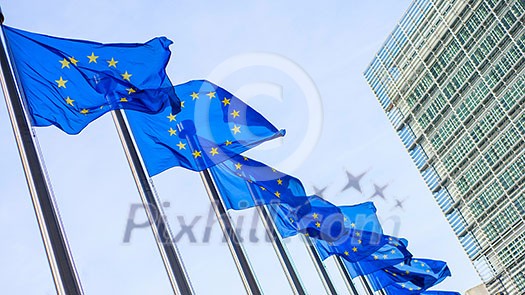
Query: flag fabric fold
point(364, 234)
point(213, 126)
point(244, 182)
point(392, 253)
point(69, 83)
point(423, 273)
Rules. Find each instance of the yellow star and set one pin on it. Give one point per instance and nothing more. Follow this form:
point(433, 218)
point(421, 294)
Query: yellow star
point(262, 188)
point(306, 234)
point(347, 253)
point(214, 151)
point(407, 272)
point(277, 194)
point(194, 96)
point(130, 90)
point(126, 76)
point(65, 63)
point(73, 60)
point(172, 117)
point(182, 146)
point(92, 57)
point(69, 101)
point(172, 131)
point(182, 103)
point(357, 234)
point(395, 275)
point(291, 220)
point(273, 170)
point(235, 114)
point(279, 181)
point(393, 251)
point(196, 154)
point(211, 94)
point(385, 256)
point(403, 285)
point(318, 224)
point(354, 249)
point(84, 111)
point(236, 129)
point(352, 225)
point(245, 158)
point(225, 101)
point(359, 241)
point(227, 143)
point(411, 289)
point(123, 99)
point(61, 82)
point(376, 257)
point(238, 166)
point(112, 63)
point(315, 215)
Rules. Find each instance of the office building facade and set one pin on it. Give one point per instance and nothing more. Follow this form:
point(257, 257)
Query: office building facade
point(451, 80)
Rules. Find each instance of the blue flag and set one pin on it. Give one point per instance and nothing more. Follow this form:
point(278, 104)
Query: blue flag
point(440, 293)
point(213, 126)
point(405, 288)
point(243, 183)
point(424, 273)
point(69, 83)
point(392, 253)
point(364, 234)
point(317, 219)
point(408, 288)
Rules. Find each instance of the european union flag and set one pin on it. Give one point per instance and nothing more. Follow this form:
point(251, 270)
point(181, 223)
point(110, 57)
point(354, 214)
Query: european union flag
point(69, 83)
point(392, 253)
point(213, 126)
point(408, 288)
point(405, 288)
point(440, 293)
point(424, 273)
point(317, 219)
point(245, 183)
point(364, 234)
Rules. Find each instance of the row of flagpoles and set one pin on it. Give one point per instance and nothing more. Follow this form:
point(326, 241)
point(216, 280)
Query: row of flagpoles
point(143, 101)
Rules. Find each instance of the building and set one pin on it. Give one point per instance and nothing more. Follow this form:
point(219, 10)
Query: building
point(450, 78)
point(478, 290)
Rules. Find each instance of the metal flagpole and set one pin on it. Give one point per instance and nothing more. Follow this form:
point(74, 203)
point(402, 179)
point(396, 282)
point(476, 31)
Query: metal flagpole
point(60, 259)
point(319, 266)
point(280, 248)
point(366, 285)
point(241, 260)
point(168, 250)
point(187, 130)
point(344, 273)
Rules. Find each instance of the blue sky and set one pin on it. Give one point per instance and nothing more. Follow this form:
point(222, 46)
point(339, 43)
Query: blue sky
point(300, 65)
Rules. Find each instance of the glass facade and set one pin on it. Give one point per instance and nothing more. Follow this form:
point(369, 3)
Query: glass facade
point(450, 78)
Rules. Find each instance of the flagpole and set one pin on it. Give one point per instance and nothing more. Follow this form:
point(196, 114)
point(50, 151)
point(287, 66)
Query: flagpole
point(366, 285)
point(319, 266)
point(186, 129)
point(177, 275)
point(55, 242)
point(279, 247)
point(239, 256)
point(344, 273)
